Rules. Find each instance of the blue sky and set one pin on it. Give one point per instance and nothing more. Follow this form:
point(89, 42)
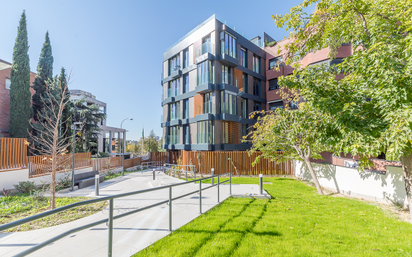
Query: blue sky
point(114, 48)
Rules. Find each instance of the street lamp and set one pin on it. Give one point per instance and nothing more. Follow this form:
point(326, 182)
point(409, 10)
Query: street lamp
point(73, 149)
point(123, 143)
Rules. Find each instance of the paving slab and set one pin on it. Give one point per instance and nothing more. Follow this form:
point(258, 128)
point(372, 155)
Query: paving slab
point(131, 233)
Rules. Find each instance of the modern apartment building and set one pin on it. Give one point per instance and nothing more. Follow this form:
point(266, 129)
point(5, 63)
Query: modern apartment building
point(109, 138)
point(212, 79)
point(273, 58)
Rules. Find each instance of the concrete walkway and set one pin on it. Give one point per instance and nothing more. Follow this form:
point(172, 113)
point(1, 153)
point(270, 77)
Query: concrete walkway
point(132, 233)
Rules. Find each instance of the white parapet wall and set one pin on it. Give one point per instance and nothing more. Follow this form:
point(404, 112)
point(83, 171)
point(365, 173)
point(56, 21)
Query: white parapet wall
point(10, 178)
point(369, 185)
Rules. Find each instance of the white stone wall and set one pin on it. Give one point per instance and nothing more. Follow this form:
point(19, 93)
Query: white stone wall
point(372, 186)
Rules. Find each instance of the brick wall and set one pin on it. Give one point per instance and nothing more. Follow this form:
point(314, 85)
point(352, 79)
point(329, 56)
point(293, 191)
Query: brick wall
point(5, 100)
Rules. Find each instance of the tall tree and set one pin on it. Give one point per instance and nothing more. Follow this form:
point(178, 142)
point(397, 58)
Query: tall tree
point(373, 102)
point(67, 113)
point(44, 73)
point(20, 95)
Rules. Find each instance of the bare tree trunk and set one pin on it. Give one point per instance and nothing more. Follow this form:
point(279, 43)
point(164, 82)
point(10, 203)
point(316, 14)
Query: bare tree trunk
point(407, 176)
point(315, 179)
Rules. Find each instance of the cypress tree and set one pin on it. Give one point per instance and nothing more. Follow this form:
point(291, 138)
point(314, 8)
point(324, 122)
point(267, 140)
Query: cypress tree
point(44, 74)
point(66, 122)
point(20, 95)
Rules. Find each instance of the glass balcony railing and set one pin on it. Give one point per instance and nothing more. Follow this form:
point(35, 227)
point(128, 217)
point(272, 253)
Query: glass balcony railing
point(204, 108)
point(205, 138)
point(161, 119)
point(206, 77)
point(206, 47)
point(228, 108)
point(172, 92)
point(175, 115)
point(228, 79)
point(172, 139)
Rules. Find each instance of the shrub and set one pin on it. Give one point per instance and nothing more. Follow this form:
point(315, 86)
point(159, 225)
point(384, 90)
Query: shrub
point(25, 187)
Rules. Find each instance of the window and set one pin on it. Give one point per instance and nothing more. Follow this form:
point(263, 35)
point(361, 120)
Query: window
point(273, 84)
point(207, 103)
point(275, 62)
point(293, 105)
point(225, 132)
point(228, 44)
point(174, 88)
point(243, 108)
point(205, 132)
point(8, 83)
point(228, 103)
point(275, 105)
point(245, 82)
point(174, 135)
point(244, 132)
point(243, 57)
point(174, 110)
point(185, 83)
point(256, 106)
point(174, 64)
point(205, 72)
point(256, 86)
point(186, 135)
point(186, 109)
point(256, 64)
point(185, 58)
point(226, 75)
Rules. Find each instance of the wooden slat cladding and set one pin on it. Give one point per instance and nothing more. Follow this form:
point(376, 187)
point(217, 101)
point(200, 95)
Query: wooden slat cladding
point(230, 132)
point(242, 163)
point(239, 75)
point(107, 163)
point(158, 156)
point(13, 153)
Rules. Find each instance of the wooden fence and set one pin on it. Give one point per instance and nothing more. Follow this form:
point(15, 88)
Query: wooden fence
point(132, 162)
point(205, 161)
point(158, 157)
point(106, 163)
point(13, 153)
point(42, 165)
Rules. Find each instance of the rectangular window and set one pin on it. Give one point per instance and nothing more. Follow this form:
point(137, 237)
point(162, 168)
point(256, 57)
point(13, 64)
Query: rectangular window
point(207, 103)
point(256, 106)
point(186, 83)
point(8, 83)
point(275, 105)
point(226, 75)
point(243, 108)
point(293, 105)
point(243, 57)
point(228, 44)
point(275, 62)
point(205, 132)
point(174, 88)
point(256, 64)
point(205, 71)
point(244, 133)
point(174, 63)
point(186, 135)
point(245, 82)
point(186, 109)
point(256, 87)
point(185, 58)
point(174, 135)
point(273, 84)
point(228, 103)
point(174, 111)
point(225, 132)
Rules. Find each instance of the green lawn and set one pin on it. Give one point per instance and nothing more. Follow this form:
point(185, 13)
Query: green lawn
point(295, 222)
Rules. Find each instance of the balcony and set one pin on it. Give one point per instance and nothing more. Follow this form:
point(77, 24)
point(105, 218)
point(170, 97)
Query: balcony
point(172, 139)
point(228, 82)
point(229, 58)
point(228, 108)
point(175, 72)
point(205, 138)
point(205, 52)
point(172, 92)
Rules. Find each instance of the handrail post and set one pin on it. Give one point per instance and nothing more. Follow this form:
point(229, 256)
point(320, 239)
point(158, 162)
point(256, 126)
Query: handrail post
point(230, 183)
point(200, 196)
point(261, 184)
point(164, 168)
point(186, 175)
point(213, 173)
point(218, 191)
point(170, 209)
point(154, 174)
point(110, 245)
point(195, 172)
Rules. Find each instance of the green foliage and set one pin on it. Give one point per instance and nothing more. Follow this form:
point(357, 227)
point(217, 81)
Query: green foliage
point(295, 222)
point(25, 187)
point(67, 113)
point(20, 96)
point(103, 155)
point(44, 74)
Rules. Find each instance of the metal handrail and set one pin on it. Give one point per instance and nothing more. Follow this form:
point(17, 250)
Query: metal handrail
point(110, 219)
point(172, 167)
